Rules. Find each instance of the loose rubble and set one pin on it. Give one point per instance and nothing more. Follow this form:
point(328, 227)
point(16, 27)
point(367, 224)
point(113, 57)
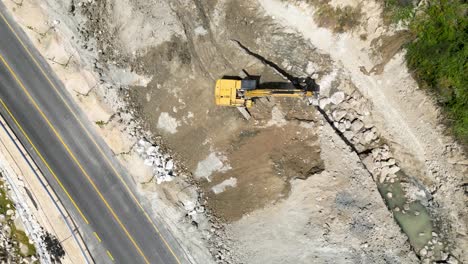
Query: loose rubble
point(20, 234)
point(162, 164)
point(377, 157)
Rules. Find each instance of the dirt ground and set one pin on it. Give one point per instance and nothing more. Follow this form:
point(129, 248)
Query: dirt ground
point(331, 217)
point(194, 127)
point(263, 160)
point(283, 187)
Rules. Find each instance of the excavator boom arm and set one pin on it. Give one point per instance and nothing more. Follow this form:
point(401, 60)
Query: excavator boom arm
point(242, 92)
point(277, 93)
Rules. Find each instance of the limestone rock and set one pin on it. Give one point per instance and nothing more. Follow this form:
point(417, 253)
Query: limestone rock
point(337, 98)
point(357, 125)
point(324, 102)
point(169, 165)
point(341, 127)
point(369, 136)
point(24, 249)
point(394, 169)
point(383, 174)
point(348, 134)
point(7, 230)
point(338, 115)
point(385, 155)
point(347, 124)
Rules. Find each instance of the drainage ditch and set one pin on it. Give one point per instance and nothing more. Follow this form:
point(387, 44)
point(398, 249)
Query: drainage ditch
point(412, 216)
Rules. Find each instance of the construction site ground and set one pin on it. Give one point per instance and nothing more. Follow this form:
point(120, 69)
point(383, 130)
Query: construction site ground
point(370, 178)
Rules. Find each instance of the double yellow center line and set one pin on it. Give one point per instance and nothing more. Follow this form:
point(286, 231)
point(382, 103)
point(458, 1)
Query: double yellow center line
point(43, 160)
point(70, 152)
point(67, 148)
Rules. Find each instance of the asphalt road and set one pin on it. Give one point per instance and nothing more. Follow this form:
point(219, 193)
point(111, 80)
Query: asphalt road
point(76, 162)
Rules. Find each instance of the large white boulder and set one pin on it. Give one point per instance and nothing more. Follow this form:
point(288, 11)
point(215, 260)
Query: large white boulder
point(337, 98)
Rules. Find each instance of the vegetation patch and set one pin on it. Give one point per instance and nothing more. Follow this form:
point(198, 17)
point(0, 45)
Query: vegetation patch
point(100, 123)
point(53, 247)
point(21, 237)
point(16, 235)
point(439, 55)
point(398, 11)
point(5, 203)
point(339, 19)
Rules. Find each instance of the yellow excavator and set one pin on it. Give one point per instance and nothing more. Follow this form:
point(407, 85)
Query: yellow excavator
point(242, 92)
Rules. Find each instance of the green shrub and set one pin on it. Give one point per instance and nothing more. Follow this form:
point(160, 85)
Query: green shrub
point(339, 19)
point(439, 56)
point(100, 123)
point(398, 10)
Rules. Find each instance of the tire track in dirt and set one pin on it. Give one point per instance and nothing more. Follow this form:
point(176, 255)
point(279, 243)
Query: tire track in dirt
point(209, 56)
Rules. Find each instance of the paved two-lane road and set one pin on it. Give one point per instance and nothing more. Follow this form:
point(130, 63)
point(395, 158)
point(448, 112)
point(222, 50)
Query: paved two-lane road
point(76, 162)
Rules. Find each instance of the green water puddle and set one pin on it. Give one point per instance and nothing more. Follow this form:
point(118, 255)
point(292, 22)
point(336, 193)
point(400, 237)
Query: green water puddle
point(412, 217)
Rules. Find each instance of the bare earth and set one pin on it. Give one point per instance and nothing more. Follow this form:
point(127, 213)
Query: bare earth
point(283, 187)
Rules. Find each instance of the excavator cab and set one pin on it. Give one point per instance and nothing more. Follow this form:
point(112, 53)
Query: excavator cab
point(231, 92)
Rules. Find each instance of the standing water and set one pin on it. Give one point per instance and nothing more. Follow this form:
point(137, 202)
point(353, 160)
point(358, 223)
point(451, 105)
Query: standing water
point(412, 217)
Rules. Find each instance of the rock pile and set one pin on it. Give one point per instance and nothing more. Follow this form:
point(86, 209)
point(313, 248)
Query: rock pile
point(218, 247)
point(384, 165)
point(162, 164)
point(435, 247)
point(21, 235)
point(349, 115)
point(213, 228)
point(195, 210)
point(13, 250)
